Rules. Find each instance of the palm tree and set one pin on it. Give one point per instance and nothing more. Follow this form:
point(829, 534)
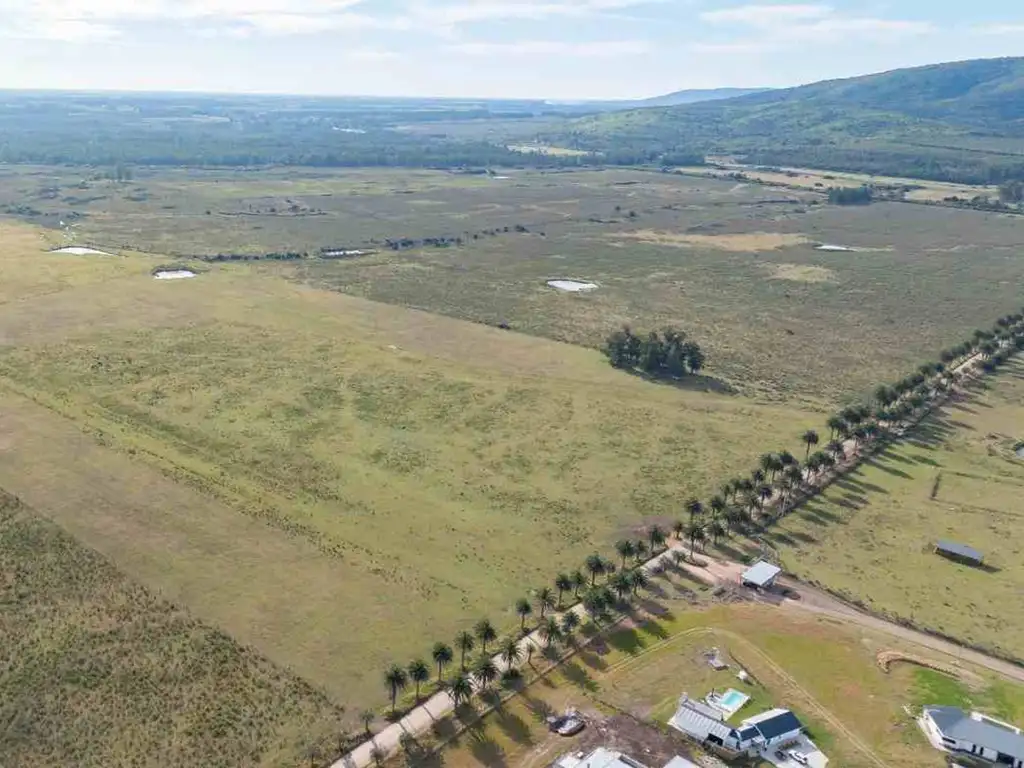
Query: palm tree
point(639, 551)
point(757, 477)
point(814, 464)
point(545, 600)
point(570, 621)
point(396, 680)
point(765, 493)
point(695, 508)
point(466, 642)
point(767, 462)
point(579, 581)
point(442, 655)
point(485, 633)
point(677, 529)
point(625, 549)
point(795, 475)
point(835, 425)
point(639, 580)
point(419, 673)
point(485, 672)
point(511, 652)
point(461, 689)
point(787, 459)
point(836, 449)
point(810, 437)
point(563, 584)
point(595, 567)
point(656, 536)
point(594, 604)
point(550, 631)
point(368, 716)
point(621, 585)
point(717, 505)
point(695, 532)
point(524, 609)
point(717, 530)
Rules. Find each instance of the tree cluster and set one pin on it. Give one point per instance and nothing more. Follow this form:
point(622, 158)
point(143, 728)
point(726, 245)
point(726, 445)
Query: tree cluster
point(666, 354)
point(1012, 192)
point(850, 195)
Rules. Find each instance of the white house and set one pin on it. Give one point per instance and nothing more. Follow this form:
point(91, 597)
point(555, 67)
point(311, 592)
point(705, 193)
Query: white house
point(973, 733)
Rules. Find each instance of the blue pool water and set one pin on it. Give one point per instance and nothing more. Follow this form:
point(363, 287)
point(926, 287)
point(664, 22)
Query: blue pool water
point(733, 700)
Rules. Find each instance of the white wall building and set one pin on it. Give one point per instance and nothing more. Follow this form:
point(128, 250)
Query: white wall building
point(973, 733)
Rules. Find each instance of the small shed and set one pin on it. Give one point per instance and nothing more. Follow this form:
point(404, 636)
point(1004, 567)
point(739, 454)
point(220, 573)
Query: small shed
point(959, 552)
point(761, 575)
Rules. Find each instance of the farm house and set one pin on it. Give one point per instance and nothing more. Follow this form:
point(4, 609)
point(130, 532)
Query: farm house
point(972, 733)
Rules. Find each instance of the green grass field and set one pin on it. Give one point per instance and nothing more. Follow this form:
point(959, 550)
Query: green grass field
point(779, 318)
point(337, 482)
point(99, 671)
point(871, 534)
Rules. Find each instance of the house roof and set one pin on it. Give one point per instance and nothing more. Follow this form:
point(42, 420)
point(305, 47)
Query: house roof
point(692, 721)
point(680, 762)
point(774, 723)
point(959, 725)
point(960, 550)
point(600, 758)
point(761, 573)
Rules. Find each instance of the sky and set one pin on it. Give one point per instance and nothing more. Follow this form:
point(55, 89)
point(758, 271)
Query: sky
point(555, 49)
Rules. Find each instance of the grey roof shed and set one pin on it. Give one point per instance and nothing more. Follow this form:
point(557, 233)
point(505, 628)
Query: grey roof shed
point(761, 574)
point(960, 551)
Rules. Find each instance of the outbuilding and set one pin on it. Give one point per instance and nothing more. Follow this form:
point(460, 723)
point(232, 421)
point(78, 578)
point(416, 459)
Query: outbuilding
point(761, 575)
point(959, 552)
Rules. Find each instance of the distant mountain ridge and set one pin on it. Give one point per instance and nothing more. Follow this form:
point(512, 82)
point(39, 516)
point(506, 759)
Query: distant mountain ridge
point(696, 96)
point(957, 120)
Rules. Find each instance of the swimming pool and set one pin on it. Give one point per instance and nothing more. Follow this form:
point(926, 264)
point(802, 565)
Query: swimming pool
point(729, 702)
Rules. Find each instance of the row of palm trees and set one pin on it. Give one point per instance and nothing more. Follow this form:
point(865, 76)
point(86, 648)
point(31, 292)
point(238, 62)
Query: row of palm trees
point(778, 477)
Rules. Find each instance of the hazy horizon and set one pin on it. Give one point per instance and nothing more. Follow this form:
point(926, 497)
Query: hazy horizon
point(560, 50)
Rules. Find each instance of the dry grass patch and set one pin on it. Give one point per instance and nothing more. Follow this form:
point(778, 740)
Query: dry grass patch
point(749, 242)
point(800, 273)
point(99, 671)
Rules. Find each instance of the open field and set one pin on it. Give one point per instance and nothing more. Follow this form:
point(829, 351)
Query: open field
point(871, 534)
point(826, 672)
point(318, 474)
point(99, 671)
point(820, 180)
point(734, 265)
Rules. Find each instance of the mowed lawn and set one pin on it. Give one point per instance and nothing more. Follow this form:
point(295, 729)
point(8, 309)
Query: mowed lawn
point(336, 481)
point(871, 534)
point(99, 671)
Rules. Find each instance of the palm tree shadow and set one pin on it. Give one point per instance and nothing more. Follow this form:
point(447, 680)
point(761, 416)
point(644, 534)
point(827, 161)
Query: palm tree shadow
point(514, 727)
point(693, 383)
point(579, 677)
point(487, 751)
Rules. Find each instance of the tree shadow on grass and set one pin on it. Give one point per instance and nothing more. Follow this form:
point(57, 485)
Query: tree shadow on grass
point(778, 537)
point(852, 502)
point(539, 708)
point(887, 469)
point(804, 538)
point(592, 660)
point(655, 629)
point(693, 383)
point(514, 727)
point(731, 552)
point(627, 641)
point(579, 677)
point(444, 728)
point(487, 751)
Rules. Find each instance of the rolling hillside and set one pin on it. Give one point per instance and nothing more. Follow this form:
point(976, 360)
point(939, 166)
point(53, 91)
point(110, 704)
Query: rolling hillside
point(962, 121)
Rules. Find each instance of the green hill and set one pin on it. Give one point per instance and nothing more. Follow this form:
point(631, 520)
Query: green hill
point(960, 121)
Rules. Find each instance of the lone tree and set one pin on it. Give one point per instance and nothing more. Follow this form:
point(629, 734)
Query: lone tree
point(545, 600)
point(524, 609)
point(511, 653)
point(595, 567)
point(563, 583)
point(466, 642)
point(419, 673)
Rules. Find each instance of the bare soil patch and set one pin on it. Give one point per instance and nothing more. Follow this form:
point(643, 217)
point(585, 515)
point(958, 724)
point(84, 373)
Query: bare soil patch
point(800, 273)
point(749, 242)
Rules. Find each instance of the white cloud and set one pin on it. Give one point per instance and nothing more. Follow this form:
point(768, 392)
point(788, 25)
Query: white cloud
point(554, 48)
point(766, 15)
point(1000, 29)
point(777, 26)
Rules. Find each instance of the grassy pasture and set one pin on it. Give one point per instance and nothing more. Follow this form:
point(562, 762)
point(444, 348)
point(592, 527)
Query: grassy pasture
point(871, 534)
point(99, 671)
point(291, 462)
point(734, 264)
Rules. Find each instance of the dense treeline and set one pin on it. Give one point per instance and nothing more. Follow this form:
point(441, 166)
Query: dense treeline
point(850, 195)
point(666, 354)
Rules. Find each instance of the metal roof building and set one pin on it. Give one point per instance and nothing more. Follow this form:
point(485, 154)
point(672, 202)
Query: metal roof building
point(761, 575)
point(974, 734)
point(959, 552)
